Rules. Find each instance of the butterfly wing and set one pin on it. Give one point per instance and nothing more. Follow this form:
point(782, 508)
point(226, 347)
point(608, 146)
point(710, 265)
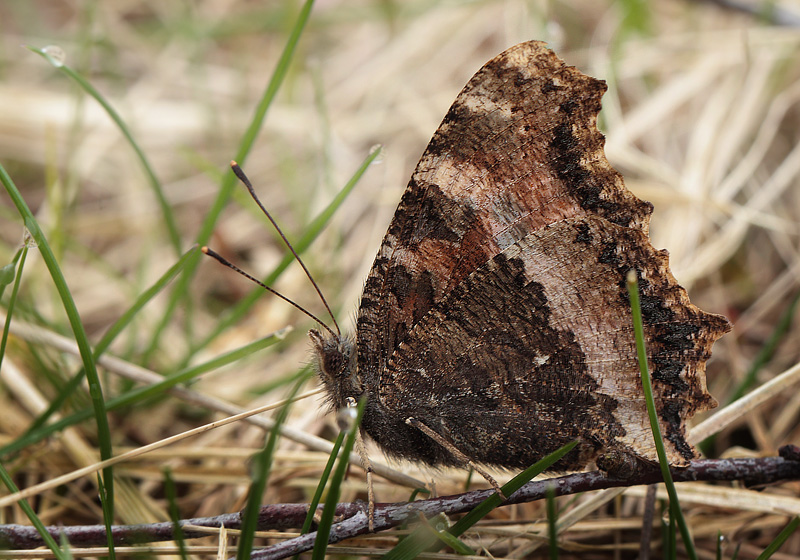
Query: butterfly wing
point(517, 153)
point(536, 349)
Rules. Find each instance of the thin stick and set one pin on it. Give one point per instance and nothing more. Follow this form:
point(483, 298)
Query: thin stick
point(647, 522)
point(246, 182)
point(762, 470)
point(133, 453)
point(367, 465)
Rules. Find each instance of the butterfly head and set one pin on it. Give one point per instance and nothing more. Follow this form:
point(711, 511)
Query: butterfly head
point(336, 366)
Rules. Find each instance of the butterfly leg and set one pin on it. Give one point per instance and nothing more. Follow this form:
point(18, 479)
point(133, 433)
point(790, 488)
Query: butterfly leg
point(456, 453)
point(367, 466)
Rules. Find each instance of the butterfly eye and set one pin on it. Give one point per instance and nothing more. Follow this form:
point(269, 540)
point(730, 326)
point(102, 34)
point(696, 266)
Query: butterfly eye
point(332, 363)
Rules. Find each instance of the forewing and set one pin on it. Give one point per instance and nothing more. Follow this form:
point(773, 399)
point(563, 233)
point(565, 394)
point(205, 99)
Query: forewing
point(518, 150)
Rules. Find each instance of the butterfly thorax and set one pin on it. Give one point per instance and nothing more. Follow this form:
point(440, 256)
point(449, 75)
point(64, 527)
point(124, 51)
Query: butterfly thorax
point(336, 367)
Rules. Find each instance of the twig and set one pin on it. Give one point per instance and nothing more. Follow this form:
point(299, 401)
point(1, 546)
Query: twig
point(647, 522)
point(752, 472)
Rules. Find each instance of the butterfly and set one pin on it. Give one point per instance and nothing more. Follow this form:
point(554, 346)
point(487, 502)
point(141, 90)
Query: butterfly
point(494, 326)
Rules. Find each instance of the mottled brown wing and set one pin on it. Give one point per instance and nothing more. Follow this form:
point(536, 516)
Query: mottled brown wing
point(518, 150)
point(536, 349)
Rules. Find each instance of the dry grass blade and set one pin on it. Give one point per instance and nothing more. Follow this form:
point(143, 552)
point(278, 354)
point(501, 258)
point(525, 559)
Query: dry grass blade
point(702, 117)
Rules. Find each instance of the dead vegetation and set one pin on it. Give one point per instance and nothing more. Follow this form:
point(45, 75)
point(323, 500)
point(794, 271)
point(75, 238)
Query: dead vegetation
point(701, 118)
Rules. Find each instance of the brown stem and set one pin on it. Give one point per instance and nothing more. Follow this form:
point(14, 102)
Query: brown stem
point(752, 472)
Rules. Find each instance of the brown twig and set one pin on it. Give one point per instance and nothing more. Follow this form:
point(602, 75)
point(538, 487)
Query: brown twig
point(647, 522)
point(752, 472)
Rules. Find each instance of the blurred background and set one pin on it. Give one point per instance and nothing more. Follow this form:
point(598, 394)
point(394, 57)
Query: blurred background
point(701, 118)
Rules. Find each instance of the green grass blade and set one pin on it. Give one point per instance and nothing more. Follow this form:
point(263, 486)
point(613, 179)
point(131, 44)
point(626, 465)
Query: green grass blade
point(140, 394)
point(174, 513)
point(111, 334)
point(141, 301)
point(675, 508)
point(17, 278)
point(334, 491)
point(552, 523)
point(177, 295)
point(765, 354)
point(782, 328)
point(326, 473)
point(261, 464)
point(416, 492)
point(65, 546)
point(274, 85)
point(780, 539)
point(108, 515)
point(446, 538)
point(311, 233)
point(7, 274)
point(672, 535)
point(95, 390)
point(637, 18)
point(415, 544)
point(155, 184)
point(278, 382)
point(485, 507)
point(229, 180)
point(35, 521)
point(468, 481)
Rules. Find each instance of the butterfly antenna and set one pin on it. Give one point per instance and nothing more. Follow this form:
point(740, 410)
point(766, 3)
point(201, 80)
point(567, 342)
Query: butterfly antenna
point(246, 182)
point(222, 260)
